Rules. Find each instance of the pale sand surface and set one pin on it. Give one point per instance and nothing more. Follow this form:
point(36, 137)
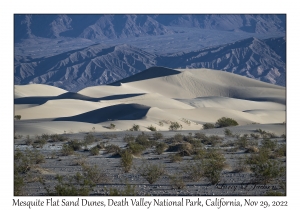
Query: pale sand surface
point(199, 96)
point(36, 90)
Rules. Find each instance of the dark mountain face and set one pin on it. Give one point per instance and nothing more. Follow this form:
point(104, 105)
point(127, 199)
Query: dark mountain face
point(77, 69)
point(123, 26)
point(252, 57)
point(96, 65)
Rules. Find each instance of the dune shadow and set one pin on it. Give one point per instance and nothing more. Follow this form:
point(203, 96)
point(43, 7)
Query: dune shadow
point(115, 112)
point(70, 95)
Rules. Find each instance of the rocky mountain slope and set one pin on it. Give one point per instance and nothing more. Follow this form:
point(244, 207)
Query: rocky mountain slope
point(96, 26)
point(95, 65)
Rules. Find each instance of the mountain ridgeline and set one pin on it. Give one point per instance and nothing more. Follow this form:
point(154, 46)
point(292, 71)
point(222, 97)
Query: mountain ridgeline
point(97, 65)
point(97, 26)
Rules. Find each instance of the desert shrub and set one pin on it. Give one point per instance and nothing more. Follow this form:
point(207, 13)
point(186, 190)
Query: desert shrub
point(252, 149)
point(160, 123)
point(160, 148)
point(135, 148)
point(268, 143)
point(89, 139)
point(184, 149)
point(157, 135)
point(193, 170)
point(94, 175)
point(175, 158)
point(112, 148)
point(128, 191)
point(175, 126)
point(242, 142)
point(126, 160)
point(280, 150)
point(112, 126)
point(95, 150)
point(135, 128)
point(227, 132)
point(151, 128)
point(228, 144)
point(199, 154)
point(28, 140)
point(57, 138)
point(176, 181)
point(67, 150)
point(36, 157)
point(225, 122)
point(261, 157)
point(39, 142)
point(75, 144)
point(17, 117)
point(186, 121)
point(240, 166)
point(200, 136)
point(143, 140)
point(212, 140)
point(261, 132)
point(178, 137)
point(194, 142)
point(267, 171)
point(151, 172)
point(129, 138)
point(208, 126)
point(76, 185)
point(255, 136)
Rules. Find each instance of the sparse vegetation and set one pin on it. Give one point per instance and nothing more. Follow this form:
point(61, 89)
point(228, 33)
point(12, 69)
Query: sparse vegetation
point(208, 126)
point(228, 132)
point(151, 172)
point(126, 160)
point(225, 122)
point(135, 128)
point(176, 181)
point(157, 135)
point(151, 128)
point(160, 148)
point(112, 126)
point(17, 117)
point(175, 126)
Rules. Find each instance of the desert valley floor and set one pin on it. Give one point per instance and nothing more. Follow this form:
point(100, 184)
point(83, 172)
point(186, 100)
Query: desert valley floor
point(89, 132)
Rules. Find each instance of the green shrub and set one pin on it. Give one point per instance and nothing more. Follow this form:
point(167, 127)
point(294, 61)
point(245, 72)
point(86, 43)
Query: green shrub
point(242, 142)
point(128, 191)
point(208, 126)
point(17, 117)
point(135, 128)
point(112, 148)
point(280, 150)
point(89, 139)
point(129, 138)
point(175, 158)
point(151, 128)
point(267, 171)
point(66, 150)
point(228, 132)
point(160, 148)
point(75, 144)
point(94, 175)
point(112, 126)
point(268, 143)
point(176, 181)
point(95, 150)
point(225, 122)
point(126, 160)
point(193, 170)
point(175, 126)
point(157, 135)
point(135, 148)
point(151, 172)
point(143, 140)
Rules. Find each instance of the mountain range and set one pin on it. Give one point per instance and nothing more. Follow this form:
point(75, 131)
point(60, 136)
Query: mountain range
point(74, 70)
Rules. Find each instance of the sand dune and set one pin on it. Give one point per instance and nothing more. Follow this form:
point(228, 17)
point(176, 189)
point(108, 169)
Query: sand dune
point(36, 90)
point(158, 98)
